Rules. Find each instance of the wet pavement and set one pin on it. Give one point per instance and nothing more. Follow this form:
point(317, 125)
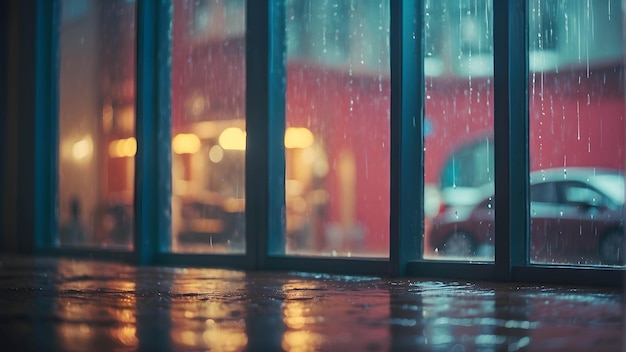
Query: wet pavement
point(49, 304)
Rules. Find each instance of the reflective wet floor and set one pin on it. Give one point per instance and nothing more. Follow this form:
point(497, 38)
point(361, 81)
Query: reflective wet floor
point(49, 304)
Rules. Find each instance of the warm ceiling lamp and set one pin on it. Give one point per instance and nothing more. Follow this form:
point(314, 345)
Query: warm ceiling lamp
point(233, 138)
point(298, 137)
point(186, 143)
point(123, 148)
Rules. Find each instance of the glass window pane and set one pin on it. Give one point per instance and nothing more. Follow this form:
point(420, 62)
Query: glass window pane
point(208, 126)
point(458, 130)
point(96, 123)
point(337, 128)
point(577, 129)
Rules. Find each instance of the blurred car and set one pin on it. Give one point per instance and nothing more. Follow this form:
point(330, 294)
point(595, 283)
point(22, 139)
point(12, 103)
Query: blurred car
point(576, 217)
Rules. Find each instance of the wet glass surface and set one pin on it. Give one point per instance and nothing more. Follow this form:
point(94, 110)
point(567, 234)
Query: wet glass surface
point(576, 103)
point(458, 130)
point(576, 127)
point(337, 128)
point(208, 126)
point(96, 124)
point(77, 305)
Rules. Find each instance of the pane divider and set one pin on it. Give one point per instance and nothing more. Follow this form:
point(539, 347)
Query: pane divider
point(407, 144)
point(147, 158)
point(162, 238)
point(265, 123)
point(511, 160)
point(46, 125)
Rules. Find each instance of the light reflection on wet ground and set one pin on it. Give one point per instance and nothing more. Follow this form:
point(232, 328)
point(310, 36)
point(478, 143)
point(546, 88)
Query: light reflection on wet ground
point(75, 305)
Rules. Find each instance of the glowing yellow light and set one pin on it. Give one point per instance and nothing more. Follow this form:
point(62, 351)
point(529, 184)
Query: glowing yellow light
point(298, 137)
point(123, 148)
point(113, 149)
point(216, 154)
point(82, 149)
point(130, 147)
point(119, 148)
point(186, 143)
point(233, 138)
point(297, 340)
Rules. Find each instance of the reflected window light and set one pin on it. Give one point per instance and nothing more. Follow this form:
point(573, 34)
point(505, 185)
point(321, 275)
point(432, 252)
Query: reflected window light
point(224, 340)
point(186, 143)
point(294, 315)
point(233, 138)
point(298, 137)
point(295, 340)
point(127, 335)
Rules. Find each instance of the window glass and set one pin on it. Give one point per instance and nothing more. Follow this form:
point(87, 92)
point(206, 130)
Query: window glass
point(458, 130)
point(577, 131)
point(337, 128)
point(208, 126)
point(96, 123)
point(543, 193)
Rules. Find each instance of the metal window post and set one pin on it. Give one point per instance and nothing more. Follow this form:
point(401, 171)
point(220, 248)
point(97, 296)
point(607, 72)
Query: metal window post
point(407, 143)
point(510, 135)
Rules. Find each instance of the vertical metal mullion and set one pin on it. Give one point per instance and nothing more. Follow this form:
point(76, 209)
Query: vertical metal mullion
point(45, 140)
point(511, 135)
point(407, 144)
point(265, 123)
point(164, 125)
point(151, 161)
